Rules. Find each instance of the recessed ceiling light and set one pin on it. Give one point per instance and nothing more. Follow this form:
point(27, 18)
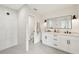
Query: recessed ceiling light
point(8, 13)
point(35, 9)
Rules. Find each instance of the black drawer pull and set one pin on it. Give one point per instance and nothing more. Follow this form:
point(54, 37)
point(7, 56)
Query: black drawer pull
point(55, 45)
point(55, 39)
point(55, 35)
point(68, 41)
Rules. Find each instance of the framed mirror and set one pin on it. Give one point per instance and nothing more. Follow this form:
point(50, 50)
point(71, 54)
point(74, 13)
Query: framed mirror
point(63, 22)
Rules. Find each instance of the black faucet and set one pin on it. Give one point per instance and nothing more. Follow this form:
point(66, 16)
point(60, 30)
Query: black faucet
point(55, 30)
point(67, 32)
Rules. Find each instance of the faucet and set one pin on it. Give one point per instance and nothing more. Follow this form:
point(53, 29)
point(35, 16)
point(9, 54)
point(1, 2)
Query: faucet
point(54, 30)
point(67, 32)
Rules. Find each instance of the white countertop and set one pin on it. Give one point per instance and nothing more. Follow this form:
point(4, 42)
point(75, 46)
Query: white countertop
point(62, 33)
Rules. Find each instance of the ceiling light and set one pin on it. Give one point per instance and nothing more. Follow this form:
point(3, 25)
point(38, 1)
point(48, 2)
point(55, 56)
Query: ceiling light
point(35, 9)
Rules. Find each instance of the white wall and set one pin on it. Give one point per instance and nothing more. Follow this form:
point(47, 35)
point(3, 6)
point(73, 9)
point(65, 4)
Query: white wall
point(61, 12)
point(75, 22)
point(8, 28)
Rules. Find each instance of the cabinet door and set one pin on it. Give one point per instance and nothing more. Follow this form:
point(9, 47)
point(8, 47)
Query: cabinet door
point(74, 45)
point(47, 39)
point(63, 43)
point(50, 40)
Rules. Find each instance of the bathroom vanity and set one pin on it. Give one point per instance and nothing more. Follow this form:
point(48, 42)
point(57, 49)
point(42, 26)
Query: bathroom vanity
point(59, 34)
point(62, 41)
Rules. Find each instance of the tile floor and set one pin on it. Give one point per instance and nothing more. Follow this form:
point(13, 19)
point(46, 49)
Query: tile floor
point(38, 48)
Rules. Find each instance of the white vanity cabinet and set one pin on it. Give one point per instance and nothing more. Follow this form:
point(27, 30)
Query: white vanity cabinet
point(56, 41)
point(69, 43)
point(74, 44)
point(66, 43)
point(49, 40)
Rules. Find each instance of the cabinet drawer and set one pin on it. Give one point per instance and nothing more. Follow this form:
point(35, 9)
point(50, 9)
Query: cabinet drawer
point(55, 39)
point(55, 45)
point(49, 38)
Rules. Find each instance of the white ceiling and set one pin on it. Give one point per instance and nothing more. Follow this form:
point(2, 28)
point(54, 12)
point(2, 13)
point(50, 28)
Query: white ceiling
point(44, 9)
point(13, 6)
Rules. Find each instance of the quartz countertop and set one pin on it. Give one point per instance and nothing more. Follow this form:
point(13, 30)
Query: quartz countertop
point(62, 33)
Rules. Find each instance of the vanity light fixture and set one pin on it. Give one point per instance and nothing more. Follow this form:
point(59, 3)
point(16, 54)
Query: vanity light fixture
point(74, 17)
point(45, 23)
point(45, 20)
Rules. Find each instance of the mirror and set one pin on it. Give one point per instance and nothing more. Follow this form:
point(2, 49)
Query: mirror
point(64, 22)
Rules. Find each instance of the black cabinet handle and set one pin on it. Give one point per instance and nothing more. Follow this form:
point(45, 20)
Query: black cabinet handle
point(45, 37)
point(68, 42)
point(55, 45)
point(55, 39)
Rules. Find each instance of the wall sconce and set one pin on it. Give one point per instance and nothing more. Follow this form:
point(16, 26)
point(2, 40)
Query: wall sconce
point(45, 23)
point(45, 20)
point(74, 17)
